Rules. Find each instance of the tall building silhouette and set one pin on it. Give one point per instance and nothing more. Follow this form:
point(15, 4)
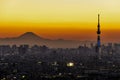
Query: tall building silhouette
point(98, 47)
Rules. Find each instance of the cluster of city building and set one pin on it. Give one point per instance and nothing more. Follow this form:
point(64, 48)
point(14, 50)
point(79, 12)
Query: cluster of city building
point(25, 62)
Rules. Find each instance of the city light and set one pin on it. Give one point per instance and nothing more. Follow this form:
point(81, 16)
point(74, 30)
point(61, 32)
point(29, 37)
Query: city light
point(39, 62)
point(70, 64)
point(23, 76)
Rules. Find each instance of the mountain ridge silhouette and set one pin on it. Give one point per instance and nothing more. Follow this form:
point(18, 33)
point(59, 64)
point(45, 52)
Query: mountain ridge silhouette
point(31, 39)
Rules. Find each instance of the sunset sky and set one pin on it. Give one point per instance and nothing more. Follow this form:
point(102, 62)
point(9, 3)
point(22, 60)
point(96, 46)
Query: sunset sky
point(66, 19)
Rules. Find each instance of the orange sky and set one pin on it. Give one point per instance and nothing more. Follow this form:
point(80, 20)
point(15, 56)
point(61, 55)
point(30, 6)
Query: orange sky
point(54, 19)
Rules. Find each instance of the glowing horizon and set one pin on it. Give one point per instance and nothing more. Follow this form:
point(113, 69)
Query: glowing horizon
point(54, 19)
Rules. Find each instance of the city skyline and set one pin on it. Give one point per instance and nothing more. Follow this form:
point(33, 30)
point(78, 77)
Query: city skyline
point(66, 19)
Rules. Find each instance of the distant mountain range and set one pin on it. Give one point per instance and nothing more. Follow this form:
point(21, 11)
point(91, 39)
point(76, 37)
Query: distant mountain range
point(31, 39)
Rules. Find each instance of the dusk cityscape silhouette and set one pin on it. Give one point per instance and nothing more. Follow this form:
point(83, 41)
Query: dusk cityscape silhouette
point(59, 40)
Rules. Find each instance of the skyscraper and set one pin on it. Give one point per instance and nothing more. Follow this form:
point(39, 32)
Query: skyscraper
point(98, 47)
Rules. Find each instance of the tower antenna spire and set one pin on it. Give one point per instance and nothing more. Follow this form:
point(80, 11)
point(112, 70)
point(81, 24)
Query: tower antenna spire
point(98, 18)
point(98, 38)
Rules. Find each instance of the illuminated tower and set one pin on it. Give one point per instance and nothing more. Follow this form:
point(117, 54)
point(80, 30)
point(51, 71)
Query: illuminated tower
point(98, 47)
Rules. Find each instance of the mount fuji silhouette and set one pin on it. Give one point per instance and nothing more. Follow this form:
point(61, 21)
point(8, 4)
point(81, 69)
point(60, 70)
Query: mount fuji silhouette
point(31, 39)
point(29, 35)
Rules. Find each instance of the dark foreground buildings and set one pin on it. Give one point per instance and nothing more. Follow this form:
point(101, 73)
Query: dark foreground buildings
point(43, 63)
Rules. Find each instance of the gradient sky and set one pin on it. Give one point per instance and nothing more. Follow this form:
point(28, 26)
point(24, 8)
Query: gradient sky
point(54, 19)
